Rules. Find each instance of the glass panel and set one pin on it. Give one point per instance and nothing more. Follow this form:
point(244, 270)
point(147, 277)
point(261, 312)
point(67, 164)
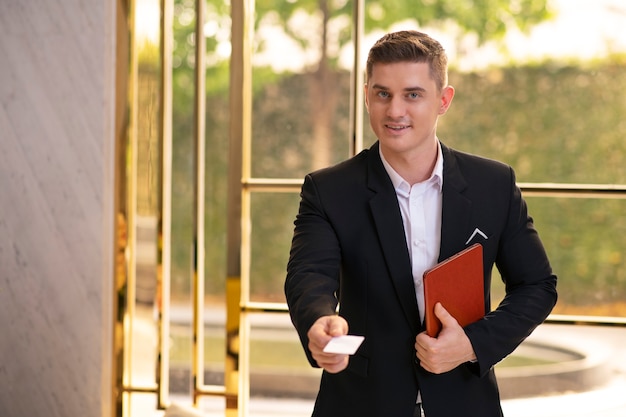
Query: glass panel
point(217, 33)
point(181, 347)
point(586, 241)
point(272, 228)
point(536, 119)
point(301, 89)
point(544, 105)
point(143, 324)
point(278, 364)
point(182, 199)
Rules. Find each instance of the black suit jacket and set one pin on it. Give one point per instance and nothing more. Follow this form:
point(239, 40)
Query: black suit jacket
point(349, 248)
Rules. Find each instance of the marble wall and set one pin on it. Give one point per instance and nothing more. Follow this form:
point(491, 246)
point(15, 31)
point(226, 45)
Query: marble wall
point(57, 62)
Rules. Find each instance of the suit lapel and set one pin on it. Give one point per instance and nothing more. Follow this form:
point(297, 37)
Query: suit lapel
point(456, 210)
point(388, 223)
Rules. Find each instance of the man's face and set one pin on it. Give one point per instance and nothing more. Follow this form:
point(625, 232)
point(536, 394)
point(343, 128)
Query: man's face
point(404, 103)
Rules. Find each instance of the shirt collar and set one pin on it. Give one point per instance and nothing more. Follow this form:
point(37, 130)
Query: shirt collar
point(402, 187)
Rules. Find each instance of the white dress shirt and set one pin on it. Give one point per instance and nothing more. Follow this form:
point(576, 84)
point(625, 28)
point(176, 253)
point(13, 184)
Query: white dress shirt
point(420, 205)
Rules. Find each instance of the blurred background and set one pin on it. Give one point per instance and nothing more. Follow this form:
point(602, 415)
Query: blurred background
point(540, 85)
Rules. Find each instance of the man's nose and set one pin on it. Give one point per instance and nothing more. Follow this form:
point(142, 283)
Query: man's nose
point(396, 108)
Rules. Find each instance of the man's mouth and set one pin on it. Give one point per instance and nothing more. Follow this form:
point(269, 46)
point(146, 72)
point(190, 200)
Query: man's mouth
point(396, 127)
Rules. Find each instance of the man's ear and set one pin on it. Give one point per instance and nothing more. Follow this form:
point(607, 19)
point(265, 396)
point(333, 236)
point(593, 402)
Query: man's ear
point(447, 94)
point(367, 103)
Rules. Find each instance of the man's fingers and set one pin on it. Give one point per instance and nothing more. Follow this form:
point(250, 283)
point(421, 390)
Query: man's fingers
point(320, 333)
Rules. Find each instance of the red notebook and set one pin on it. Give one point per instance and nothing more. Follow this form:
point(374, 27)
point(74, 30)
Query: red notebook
point(457, 283)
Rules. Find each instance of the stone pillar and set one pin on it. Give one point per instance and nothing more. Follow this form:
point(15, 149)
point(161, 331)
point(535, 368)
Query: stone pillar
point(57, 91)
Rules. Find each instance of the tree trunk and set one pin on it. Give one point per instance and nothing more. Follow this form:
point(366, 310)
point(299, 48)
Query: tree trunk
point(324, 99)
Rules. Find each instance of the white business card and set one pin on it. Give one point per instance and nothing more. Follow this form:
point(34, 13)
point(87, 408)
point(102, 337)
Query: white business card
point(347, 344)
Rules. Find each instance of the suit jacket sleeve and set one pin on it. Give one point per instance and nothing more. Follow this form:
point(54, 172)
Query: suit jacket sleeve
point(312, 278)
point(529, 282)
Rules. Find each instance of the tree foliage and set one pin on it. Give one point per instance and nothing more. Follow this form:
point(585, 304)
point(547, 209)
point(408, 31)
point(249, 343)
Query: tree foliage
point(487, 19)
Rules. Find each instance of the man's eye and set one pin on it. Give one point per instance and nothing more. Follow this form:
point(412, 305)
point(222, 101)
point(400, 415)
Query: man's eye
point(383, 94)
point(414, 95)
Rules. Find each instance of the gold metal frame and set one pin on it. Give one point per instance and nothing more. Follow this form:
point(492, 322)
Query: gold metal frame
point(125, 203)
point(120, 243)
point(237, 381)
point(241, 185)
point(165, 203)
point(198, 214)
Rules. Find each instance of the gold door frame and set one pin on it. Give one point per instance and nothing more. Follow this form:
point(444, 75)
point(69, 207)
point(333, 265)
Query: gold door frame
point(127, 152)
point(240, 187)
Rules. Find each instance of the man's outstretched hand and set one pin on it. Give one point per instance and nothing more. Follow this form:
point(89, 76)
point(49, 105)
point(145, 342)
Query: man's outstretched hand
point(324, 329)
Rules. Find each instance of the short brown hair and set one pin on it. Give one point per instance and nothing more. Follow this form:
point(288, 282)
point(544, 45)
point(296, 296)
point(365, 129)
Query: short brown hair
point(410, 46)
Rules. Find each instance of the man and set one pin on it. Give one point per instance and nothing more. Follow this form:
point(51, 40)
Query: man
point(369, 227)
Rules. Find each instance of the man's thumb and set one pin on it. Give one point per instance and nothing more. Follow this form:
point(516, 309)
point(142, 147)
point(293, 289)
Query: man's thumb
point(443, 315)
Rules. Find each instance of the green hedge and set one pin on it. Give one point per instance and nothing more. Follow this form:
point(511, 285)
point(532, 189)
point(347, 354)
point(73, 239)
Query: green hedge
point(552, 123)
